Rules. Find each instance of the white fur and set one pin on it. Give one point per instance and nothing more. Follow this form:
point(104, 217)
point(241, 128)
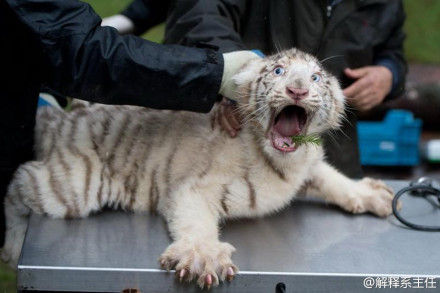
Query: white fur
point(199, 175)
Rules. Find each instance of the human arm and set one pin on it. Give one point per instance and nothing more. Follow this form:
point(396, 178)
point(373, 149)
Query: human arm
point(91, 62)
point(121, 23)
point(213, 24)
point(390, 53)
point(139, 16)
point(210, 24)
point(146, 13)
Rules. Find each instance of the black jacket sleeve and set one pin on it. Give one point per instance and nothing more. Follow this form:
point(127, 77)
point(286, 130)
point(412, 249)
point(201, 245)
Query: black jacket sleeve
point(211, 24)
point(392, 47)
point(146, 13)
point(85, 60)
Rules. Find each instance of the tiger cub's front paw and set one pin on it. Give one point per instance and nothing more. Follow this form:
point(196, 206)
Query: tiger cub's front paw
point(370, 195)
point(208, 261)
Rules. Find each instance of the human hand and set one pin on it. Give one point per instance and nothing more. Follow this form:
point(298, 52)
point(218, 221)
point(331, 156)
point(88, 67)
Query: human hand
point(372, 85)
point(228, 117)
point(233, 62)
point(121, 23)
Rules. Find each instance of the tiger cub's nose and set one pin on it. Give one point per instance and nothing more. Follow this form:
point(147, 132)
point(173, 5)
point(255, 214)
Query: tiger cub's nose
point(296, 93)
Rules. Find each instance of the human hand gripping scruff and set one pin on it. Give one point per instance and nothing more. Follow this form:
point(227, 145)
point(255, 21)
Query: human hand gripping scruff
point(226, 114)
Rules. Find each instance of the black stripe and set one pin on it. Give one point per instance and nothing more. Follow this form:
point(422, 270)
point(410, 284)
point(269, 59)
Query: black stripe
point(101, 186)
point(225, 192)
point(132, 164)
point(252, 195)
point(119, 139)
point(269, 163)
point(52, 147)
point(67, 171)
point(153, 191)
point(168, 167)
point(136, 153)
point(76, 152)
point(210, 157)
point(56, 188)
point(36, 190)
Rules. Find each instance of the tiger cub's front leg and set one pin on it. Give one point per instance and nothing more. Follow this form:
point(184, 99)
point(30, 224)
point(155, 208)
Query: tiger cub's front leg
point(366, 195)
point(196, 253)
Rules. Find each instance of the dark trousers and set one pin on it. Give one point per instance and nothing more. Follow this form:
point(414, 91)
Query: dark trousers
point(19, 87)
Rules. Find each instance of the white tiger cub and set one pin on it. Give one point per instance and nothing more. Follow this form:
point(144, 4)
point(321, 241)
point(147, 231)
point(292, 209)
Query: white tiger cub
point(174, 163)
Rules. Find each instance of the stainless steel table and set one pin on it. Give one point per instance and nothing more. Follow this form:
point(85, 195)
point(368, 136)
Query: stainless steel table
point(310, 247)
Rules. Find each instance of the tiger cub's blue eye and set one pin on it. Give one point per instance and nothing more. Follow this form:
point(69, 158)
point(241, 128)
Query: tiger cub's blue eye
point(278, 71)
point(316, 77)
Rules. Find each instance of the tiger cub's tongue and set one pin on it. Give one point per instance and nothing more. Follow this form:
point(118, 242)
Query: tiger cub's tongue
point(287, 124)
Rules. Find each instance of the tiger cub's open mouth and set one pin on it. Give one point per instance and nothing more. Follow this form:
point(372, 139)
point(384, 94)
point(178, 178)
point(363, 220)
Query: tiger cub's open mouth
point(287, 123)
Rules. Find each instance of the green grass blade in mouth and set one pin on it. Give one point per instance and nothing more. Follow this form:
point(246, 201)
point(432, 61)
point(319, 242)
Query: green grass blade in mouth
point(304, 139)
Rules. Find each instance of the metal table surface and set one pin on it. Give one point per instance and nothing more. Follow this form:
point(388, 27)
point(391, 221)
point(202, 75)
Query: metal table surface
point(310, 247)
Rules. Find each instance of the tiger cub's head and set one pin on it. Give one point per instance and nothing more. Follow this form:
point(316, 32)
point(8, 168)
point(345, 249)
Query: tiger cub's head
point(286, 95)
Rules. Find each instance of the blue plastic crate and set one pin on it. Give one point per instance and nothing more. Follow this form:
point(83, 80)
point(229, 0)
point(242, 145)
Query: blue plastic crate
point(391, 142)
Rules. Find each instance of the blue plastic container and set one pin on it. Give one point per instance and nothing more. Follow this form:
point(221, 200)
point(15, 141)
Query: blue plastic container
point(391, 142)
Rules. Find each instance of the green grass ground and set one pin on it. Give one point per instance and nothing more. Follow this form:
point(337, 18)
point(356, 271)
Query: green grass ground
point(423, 33)
point(422, 45)
point(7, 279)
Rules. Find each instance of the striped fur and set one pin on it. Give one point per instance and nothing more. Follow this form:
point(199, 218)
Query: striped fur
point(174, 163)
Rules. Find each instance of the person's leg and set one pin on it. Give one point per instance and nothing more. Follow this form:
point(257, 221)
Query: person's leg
point(20, 84)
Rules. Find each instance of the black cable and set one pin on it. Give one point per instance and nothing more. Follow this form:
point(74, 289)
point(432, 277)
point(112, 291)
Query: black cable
point(421, 190)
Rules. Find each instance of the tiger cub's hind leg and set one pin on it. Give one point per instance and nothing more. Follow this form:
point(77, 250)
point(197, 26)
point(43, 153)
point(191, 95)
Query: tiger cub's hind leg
point(34, 187)
point(18, 203)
